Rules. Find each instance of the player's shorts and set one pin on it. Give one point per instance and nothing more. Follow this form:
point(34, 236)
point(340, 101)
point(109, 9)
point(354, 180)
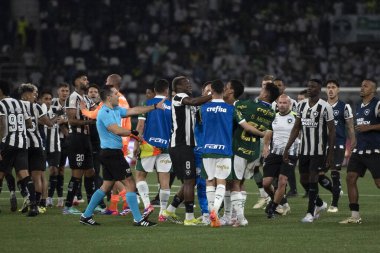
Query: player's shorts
point(312, 163)
point(115, 167)
point(64, 152)
point(242, 169)
point(338, 158)
point(53, 159)
point(219, 168)
point(183, 161)
point(14, 158)
point(274, 165)
point(36, 159)
point(80, 152)
point(161, 162)
point(360, 163)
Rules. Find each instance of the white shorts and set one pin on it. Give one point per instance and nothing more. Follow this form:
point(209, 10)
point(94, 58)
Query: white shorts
point(162, 163)
point(219, 168)
point(243, 169)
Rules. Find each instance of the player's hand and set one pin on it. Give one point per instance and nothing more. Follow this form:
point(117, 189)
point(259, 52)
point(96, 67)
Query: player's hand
point(82, 105)
point(353, 145)
point(285, 156)
point(265, 152)
point(363, 128)
point(136, 149)
point(160, 104)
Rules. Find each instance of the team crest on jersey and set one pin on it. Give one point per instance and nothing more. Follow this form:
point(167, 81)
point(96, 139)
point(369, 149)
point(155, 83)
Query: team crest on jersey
point(367, 111)
point(275, 121)
point(290, 121)
point(315, 114)
point(336, 112)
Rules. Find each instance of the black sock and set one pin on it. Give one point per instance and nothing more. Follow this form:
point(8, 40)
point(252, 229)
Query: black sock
point(284, 200)
point(11, 182)
point(60, 180)
point(71, 190)
point(23, 190)
point(318, 201)
point(274, 206)
point(176, 201)
point(305, 186)
point(38, 197)
point(43, 202)
point(271, 195)
point(52, 185)
point(335, 176)
point(172, 178)
point(189, 206)
point(78, 193)
point(354, 207)
point(89, 185)
point(313, 192)
point(325, 182)
point(27, 184)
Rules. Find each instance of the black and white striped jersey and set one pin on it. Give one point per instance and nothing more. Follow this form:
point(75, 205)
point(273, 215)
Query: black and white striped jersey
point(34, 137)
point(53, 142)
point(314, 137)
point(57, 106)
point(183, 117)
point(15, 114)
point(73, 102)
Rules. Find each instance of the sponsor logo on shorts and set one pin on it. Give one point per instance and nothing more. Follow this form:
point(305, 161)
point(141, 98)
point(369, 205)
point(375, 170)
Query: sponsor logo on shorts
point(223, 167)
point(165, 161)
point(128, 170)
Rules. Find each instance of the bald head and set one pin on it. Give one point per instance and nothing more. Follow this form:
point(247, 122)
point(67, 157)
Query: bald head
point(283, 103)
point(114, 80)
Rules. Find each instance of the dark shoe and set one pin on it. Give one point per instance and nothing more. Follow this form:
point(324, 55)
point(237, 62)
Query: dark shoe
point(144, 223)
point(33, 211)
point(88, 221)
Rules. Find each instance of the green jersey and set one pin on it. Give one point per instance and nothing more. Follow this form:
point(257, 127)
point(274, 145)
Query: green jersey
point(258, 114)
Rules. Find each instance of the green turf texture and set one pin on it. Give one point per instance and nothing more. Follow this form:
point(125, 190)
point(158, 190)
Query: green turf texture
point(54, 232)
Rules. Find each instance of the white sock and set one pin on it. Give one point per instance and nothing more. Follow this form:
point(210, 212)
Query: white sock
point(355, 214)
point(227, 204)
point(143, 189)
point(236, 204)
point(190, 216)
point(171, 209)
point(164, 198)
point(219, 196)
point(263, 193)
point(210, 193)
point(243, 200)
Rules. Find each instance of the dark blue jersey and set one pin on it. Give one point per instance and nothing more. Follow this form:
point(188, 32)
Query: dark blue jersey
point(342, 112)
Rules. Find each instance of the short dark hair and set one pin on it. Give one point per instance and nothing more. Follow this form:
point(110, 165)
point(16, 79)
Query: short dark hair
point(161, 85)
point(333, 81)
point(278, 79)
point(371, 80)
point(268, 78)
point(177, 81)
point(63, 85)
point(273, 90)
point(78, 74)
point(315, 80)
point(5, 87)
point(93, 85)
point(105, 92)
point(46, 91)
point(238, 87)
point(205, 84)
point(217, 86)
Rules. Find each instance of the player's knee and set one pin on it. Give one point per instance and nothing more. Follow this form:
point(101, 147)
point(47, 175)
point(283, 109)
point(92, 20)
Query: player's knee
point(267, 183)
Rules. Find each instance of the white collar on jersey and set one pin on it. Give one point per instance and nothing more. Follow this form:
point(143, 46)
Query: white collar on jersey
point(218, 100)
point(159, 96)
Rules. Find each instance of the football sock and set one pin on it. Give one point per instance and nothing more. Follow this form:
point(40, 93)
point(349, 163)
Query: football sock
point(325, 182)
point(313, 192)
point(89, 185)
point(71, 190)
point(164, 198)
point(27, 183)
point(95, 200)
point(175, 203)
point(236, 204)
point(113, 202)
point(43, 202)
point(219, 196)
point(52, 185)
point(354, 210)
point(60, 180)
point(210, 193)
point(143, 189)
point(132, 202)
point(243, 199)
point(227, 204)
point(305, 186)
point(78, 193)
point(189, 207)
point(335, 177)
point(11, 182)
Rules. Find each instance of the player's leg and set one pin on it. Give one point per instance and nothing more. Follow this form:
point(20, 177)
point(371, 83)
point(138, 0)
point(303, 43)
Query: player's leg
point(11, 183)
point(144, 166)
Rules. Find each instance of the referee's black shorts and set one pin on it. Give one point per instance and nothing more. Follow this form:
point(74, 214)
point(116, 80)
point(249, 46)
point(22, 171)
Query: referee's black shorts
point(115, 167)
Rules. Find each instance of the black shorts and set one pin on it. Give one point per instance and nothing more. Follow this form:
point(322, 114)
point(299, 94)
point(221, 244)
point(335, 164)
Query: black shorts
point(183, 162)
point(360, 163)
point(14, 158)
point(309, 163)
point(274, 165)
point(36, 159)
point(64, 152)
point(115, 167)
point(338, 158)
point(53, 159)
point(80, 152)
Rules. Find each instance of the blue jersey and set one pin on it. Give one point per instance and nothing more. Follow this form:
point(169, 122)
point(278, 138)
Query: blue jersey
point(342, 112)
point(158, 123)
point(217, 120)
point(106, 117)
point(368, 115)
